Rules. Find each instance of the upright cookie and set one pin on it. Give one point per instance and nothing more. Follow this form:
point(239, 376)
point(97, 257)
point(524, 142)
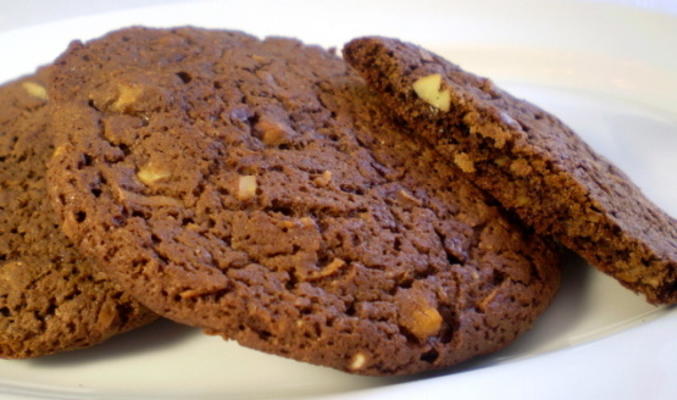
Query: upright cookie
point(51, 297)
point(529, 161)
point(253, 188)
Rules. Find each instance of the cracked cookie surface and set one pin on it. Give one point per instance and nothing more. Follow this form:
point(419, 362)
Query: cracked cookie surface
point(530, 161)
point(51, 297)
point(254, 188)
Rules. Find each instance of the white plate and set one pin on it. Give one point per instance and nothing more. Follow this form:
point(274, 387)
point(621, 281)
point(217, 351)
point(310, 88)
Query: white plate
point(608, 71)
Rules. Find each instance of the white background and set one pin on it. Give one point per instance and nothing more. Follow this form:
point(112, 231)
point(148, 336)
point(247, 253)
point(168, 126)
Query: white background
point(16, 14)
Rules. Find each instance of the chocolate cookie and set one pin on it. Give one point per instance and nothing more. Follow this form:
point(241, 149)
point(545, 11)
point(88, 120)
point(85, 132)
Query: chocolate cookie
point(254, 189)
point(529, 161)
point(51, 297)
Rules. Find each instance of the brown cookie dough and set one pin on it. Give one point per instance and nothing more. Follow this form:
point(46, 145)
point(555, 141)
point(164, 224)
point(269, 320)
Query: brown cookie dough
point(51, 297)
point(254, 189)
point(529, 161)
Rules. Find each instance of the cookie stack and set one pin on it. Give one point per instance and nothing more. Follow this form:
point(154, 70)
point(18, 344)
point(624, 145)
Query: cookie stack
point(52, 296)
point(265, 192)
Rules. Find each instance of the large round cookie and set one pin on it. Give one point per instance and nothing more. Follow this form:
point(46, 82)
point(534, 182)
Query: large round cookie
point(254, 189)
point(51, 297)
point(530, 161)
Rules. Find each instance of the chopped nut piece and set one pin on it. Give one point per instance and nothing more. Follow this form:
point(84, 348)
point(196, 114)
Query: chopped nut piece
point(304, 222)
point(408, 198)
point(464, 162)
point(274, 132)
point(191, 293)
point(418, 313)
point(333, 266)
point(127, 96)
point(246, 187)
point(484, 303)
point(59, 150)
point(151, 173)
point(35, 90)
point(328, 270)
point(108, 315)
point(187, 294)
point(324, 179)
point(429, 89)
point(259, 58)
point(358, 361)
point(425, 322)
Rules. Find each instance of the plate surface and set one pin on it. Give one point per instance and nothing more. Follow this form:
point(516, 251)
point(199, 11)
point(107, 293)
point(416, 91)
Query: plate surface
point(609, 71)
